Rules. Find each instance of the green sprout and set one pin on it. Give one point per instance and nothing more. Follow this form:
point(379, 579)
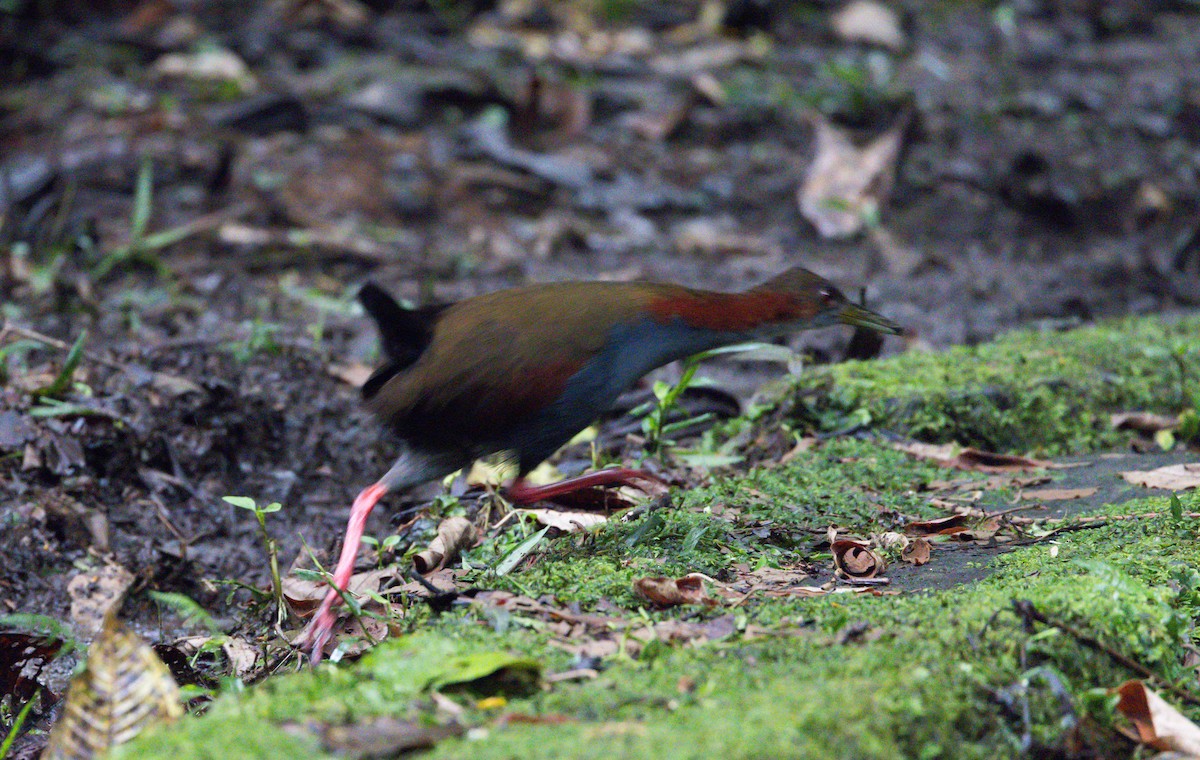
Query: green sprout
point(260, 514)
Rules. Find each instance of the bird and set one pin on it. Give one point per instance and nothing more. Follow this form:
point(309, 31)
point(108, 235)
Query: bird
point(521, 371)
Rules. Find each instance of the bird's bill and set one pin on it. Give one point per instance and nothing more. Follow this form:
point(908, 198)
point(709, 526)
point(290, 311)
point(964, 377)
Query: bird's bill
point(858, 316)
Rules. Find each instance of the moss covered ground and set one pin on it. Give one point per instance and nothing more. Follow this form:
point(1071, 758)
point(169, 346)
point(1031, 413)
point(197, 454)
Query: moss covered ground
point(944, 670)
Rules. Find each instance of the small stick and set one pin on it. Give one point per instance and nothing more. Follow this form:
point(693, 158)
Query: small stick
point(1027, 612)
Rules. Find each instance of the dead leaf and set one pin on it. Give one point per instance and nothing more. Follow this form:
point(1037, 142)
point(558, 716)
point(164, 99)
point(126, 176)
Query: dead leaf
point(1158, 724)
point(303, 596)
point(916, 553)
point(804, 444)
point(949, 455)
point(846, 185)
point(454, 535)
point(672, 592)
point(943, 526)
point(242, 655)
point(870, 22)
point(567, 522)
point(1144, 422)
point(354, 374)
point(1174, 477)
point(123, 690)
point(856, 559)
point(1058, 494)
point(95, 595)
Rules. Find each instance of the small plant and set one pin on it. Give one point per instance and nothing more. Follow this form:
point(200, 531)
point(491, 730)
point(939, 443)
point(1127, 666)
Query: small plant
point(655, 426)
point(261, 339)
point(260, 514)
point(143, 245)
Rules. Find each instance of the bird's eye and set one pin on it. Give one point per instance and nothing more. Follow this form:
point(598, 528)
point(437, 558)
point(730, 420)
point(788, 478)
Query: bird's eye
point(829, 297)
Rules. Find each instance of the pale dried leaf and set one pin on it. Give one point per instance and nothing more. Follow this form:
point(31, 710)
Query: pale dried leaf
point(568, 522)
point(845, 184)
point(1158, 724)
point(1058, 494)
point(123, 690)
point(355, 373)
point(1174, 477)
point(1144, 422)
point(870, 22)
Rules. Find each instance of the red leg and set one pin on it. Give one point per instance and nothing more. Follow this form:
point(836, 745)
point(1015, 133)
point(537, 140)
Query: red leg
point(521, 492)
point(320, 629)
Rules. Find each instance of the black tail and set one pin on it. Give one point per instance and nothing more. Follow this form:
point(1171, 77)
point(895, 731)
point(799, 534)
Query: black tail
point(403, 333)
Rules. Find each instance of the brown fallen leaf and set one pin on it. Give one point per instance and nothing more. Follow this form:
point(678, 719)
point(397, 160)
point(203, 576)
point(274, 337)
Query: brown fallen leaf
point(856, 559)
point(949, 455)
point(941, 526)
point(916, 553)
point(242, 655)
point(454, 534)
point(846, 185)
point(1174, 477)
point(123, 690)
point(1058, 494)
point(567, 522)
point(672, 592)
point(1157, 723)
point(1144, 422)
point(303, 596)
point(97, 594)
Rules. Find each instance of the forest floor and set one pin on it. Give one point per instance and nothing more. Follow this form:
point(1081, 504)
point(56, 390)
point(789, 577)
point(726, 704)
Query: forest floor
point(191, 198)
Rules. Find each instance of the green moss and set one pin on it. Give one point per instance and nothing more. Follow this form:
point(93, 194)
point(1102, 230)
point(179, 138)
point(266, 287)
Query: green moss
point(945, 673)
point(921, 682)
point(1028, 391)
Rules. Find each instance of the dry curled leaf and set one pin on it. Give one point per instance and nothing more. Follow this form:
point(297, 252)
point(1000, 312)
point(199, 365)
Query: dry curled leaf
point(123, 690)
point(1175, 477)
point(916, 553)
point(1144, 422)
point(856, 559)
point(1157, 723)
point(454, 535)
point(846, 185)
point(941, 526)
point(672, 592)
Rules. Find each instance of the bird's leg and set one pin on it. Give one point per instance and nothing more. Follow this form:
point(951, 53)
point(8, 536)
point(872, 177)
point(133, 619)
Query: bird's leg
point(320, 628)
point(521, 492)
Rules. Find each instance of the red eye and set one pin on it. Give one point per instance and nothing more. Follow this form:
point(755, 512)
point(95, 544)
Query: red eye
point(829, 297)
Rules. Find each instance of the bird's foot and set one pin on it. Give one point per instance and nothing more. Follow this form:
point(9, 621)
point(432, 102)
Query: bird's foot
point(317, 634)
point(521, 492)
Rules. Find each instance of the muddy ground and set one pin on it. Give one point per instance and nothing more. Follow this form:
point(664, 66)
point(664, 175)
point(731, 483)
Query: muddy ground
point(1048, 175)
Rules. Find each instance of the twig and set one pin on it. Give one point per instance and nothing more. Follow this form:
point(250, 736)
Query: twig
point(1030, 614)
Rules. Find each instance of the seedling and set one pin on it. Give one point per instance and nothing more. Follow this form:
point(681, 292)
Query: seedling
point(260, 514)
point(655, 426)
